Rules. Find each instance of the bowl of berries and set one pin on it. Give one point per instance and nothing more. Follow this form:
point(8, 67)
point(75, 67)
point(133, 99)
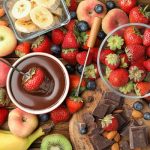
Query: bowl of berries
point(124, 60)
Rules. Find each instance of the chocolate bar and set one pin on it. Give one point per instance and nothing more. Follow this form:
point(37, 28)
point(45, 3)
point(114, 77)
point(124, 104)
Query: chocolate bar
point(138, 137)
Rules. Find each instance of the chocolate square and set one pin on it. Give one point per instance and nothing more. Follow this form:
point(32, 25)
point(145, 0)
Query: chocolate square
point(101, 110)
point(96, 130)
point(138, 137)
point(111, 108)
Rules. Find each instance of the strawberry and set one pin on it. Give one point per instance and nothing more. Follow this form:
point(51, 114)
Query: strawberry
point(137, 73)
point(139, 15)
point(112, 61)
point(81, 58)
point(148, 51)
point(85, 37)
point(57, 36)
point(70, 41)
point(22, 49)
point(94, 53)
point(74, 104)
point(33, 79)
point(127, 5)
point(91, 72)
point(134, 52)
point(146, 64)
point(71, 25)
point(3, 115)
point(110, 123)
point(104, 53)
point(124, 62)
point(72, 5)
point(138, 62)
point(132, 35)
point(41, 44)
point(74, 81)
point(69, 55)
point(60, 114)
point(4, 99)
point(119, 77)
point(146, 38)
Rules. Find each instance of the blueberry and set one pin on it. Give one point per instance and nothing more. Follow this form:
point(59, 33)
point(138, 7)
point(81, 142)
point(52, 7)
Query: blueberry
point(43, 117)
point(147, 115)
point(82, 26)
point(79, 68)
point(101, 35)
point(98, 8)
point(70, 68)
point(73, 15)
point(91, 85)
point(56, 50)
point(110, 5)
point(138, 106)
point(82, 128)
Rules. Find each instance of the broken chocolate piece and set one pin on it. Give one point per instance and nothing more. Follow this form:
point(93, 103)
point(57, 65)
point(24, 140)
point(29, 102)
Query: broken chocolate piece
point(96, 130)
point(138, 137)
point(101, 110)
point(100, 142)
point(124, 145)
point(111, 108)
point(82, 127)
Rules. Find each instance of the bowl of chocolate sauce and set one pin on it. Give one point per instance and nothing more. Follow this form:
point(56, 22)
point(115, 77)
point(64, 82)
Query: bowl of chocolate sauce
point(53, 90)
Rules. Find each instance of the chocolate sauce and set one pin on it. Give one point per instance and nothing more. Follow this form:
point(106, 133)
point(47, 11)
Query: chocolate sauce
point(54, 83)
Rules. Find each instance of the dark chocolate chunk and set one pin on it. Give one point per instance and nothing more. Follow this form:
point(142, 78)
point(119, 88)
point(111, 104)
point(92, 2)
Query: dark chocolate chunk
point(96, 130)
point(138, 137)
point(111, 102)
point(124, 145)
point(111, 108)
point(99, 142)
point(101, 110)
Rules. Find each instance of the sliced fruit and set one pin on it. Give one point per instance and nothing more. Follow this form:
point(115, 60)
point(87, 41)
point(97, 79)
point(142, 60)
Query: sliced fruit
point(42, 17)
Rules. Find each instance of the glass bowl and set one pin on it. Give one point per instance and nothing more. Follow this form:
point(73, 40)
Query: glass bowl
point(103, 70)
point(8, 4)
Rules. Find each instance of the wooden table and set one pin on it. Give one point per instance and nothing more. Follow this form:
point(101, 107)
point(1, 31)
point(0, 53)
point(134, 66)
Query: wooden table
point(62, 128)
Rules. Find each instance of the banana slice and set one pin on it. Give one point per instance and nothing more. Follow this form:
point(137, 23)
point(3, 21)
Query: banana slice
point(42, 17)
point(21, 10)
point(26, 26)
point(50, 4)
point(58, 12)
point(33, 3)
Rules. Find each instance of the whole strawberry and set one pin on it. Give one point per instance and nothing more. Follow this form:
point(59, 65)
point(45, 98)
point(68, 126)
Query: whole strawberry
point(139, 15)
point(74, 104)
point(127, 5)
point(70, 41)
point(135, 52)
point(72, 4)
point(71, 26)
point(110, 123)
point(57, 36)
point(33, 79)
point(137, 73)
point(60, 114)
point(22, 49)
point(3, 115)
point(41, 44)
point(104, 53)
point(4, 99)
point(69, 55)
point(146, 64)
point(132, 35)
point(146, 38)
point(81, 58)
point(112, 61)
point(124, 62)
point(148, 51)
point(94, 53)
point(119, 77)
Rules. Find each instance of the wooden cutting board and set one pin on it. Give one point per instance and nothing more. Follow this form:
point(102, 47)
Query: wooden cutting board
point(82, 142)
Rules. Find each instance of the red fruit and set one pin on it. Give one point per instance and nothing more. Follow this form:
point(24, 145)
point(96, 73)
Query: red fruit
point(69, 55)
point(94, 53)
point(138, 62)
point(104, 53)
point(148, 51)
point(33, 79)
point(119, 77)
point(124, 62)
point(132, 35)
point(74, 104)
point(57, 36)
point(60, 114)
point(110, 123)
point(85, 37)
point(127, 5)
point(146, 65)
point(70, 41)
point(146, 38)
point(139, 15)
point(3, 115)
point(81, 58)
point(71, 25)
point(135, 52)
point(22, 49)
point(137, 73)
point(72, 5)
point(41, 44)
point(112, 61)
